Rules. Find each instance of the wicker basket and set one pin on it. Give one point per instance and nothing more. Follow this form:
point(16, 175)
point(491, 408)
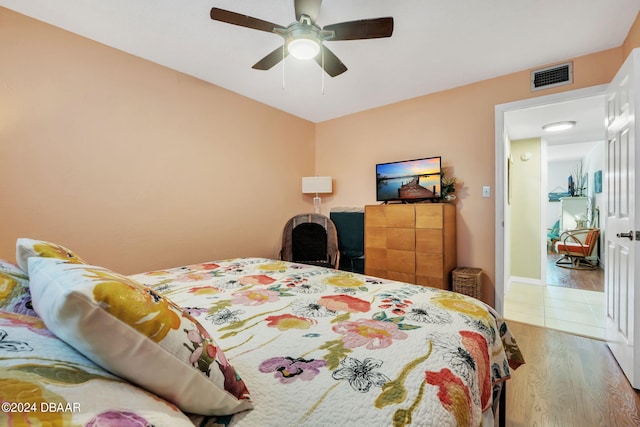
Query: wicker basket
point(468, 281)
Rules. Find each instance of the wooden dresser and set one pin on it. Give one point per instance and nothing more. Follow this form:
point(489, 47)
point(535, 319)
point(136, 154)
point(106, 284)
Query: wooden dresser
point(413, 243)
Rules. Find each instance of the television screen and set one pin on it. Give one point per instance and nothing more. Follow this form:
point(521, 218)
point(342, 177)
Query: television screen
point(409, 180)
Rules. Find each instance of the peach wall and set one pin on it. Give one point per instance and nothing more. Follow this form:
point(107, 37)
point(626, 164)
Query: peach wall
point(633, 38)
point(457, 124)
point(133, 165)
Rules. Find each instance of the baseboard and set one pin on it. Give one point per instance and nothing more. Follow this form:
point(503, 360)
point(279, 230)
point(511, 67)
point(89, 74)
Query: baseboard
point(528, 281)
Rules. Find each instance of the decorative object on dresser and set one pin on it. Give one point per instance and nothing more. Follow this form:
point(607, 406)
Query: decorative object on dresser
point(557, 194)
point(448, 187)
point(414, 243)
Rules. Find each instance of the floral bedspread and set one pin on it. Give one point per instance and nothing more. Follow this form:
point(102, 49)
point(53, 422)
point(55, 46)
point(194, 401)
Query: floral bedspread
point(319, 347)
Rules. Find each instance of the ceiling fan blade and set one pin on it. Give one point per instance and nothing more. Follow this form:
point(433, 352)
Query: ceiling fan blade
point(243, 20)
point(271, 59)
point(364, 29)
point(311, 8)
point(332, 64)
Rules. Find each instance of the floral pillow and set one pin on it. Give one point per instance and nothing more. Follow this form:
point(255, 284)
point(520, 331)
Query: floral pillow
point(43, 381)
point(14, 292)
point(26, 248)
point(137, 334)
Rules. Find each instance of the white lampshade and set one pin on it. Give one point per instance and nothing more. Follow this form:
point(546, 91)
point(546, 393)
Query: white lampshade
point(316, 184)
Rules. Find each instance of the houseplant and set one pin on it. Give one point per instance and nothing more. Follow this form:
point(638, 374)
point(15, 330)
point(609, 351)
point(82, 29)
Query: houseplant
point(448, 187)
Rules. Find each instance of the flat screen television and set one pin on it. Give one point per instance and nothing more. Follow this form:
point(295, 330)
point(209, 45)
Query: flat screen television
point(409, 180)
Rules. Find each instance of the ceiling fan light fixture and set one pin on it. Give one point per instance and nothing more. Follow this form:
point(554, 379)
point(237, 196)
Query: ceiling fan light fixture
point(558, 126)
point(304, 48)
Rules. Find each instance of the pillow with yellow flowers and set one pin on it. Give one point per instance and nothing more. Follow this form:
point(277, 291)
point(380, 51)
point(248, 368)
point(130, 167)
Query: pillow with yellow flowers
point(141, 336)
point(14, 292)
point(45, 382)
point(26, 248)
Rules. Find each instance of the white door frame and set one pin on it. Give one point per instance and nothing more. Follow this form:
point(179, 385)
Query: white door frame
point(502, 273)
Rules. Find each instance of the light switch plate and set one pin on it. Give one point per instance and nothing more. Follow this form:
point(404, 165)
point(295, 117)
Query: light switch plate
point(486, 191)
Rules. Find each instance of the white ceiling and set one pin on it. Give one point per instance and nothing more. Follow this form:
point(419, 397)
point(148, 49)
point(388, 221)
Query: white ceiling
point(588, 113)
point(436, 45)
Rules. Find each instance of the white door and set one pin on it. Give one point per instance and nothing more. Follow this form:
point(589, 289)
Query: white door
point(622, 323)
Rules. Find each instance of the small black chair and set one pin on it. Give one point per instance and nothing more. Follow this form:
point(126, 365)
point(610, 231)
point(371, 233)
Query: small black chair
point(310, 239)
point(350, 226)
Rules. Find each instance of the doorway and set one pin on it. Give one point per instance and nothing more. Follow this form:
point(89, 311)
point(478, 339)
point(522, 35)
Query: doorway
point(531, 300)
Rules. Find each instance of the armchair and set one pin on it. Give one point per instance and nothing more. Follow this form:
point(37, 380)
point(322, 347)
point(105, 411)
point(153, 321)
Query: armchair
point(576, 246)
point(310, 239)
point(553, 235)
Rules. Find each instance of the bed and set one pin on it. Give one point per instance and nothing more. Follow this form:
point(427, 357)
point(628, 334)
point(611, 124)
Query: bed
point(280, 344)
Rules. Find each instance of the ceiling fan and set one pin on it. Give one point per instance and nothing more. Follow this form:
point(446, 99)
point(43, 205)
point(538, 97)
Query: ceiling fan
point(304, 39)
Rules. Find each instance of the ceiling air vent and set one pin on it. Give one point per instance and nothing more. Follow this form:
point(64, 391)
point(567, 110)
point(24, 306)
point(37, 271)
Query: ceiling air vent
point(549, 77)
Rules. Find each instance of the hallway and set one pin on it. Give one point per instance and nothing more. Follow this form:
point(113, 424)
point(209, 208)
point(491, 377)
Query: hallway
point(572, 300)
point(576, 311)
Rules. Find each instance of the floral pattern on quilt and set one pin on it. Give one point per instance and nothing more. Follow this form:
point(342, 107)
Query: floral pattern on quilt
point(43, 381)
point(14, 289)
point(344, 348)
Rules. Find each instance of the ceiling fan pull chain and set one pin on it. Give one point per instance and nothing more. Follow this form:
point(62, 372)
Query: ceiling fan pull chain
point(322, 70)
point(283, 62)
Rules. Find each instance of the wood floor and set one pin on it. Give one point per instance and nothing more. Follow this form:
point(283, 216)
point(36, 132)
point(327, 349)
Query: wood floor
point(588, 280)
point(567, 381)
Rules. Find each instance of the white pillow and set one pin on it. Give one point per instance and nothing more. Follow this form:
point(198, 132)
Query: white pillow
point(137, 334)
point(56, 385)
point(27, 248)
